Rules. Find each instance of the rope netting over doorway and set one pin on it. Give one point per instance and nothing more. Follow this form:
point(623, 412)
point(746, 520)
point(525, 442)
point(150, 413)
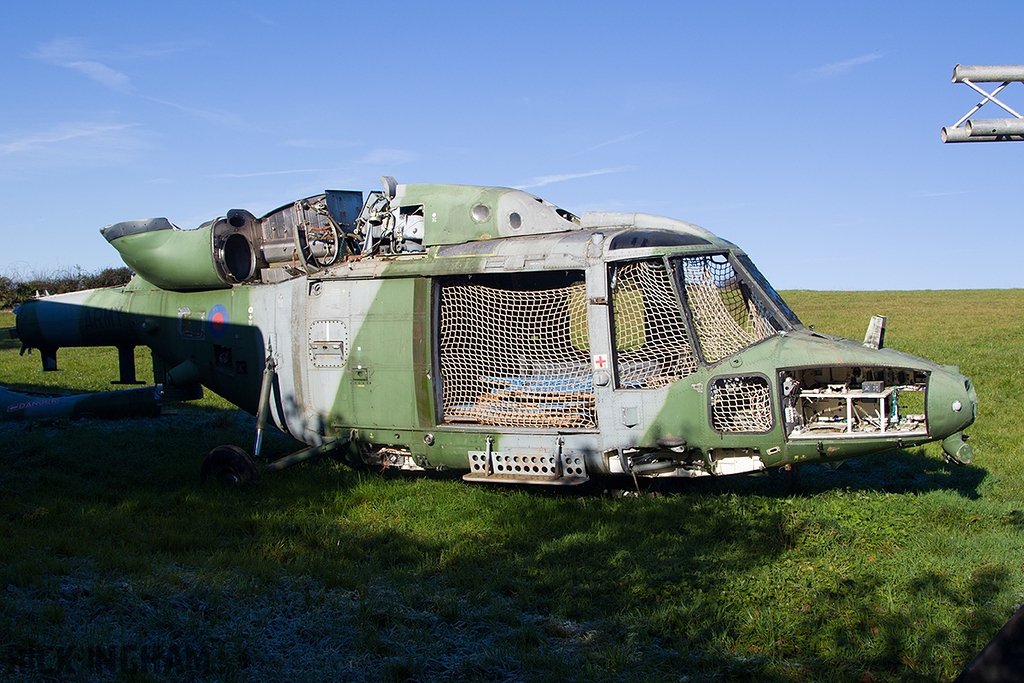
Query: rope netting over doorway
point(515, 357)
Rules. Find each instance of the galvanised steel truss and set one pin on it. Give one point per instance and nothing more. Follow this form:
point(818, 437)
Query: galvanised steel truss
point(986, 130)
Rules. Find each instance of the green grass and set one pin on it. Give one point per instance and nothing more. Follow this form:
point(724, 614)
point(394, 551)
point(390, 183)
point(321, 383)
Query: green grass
point(893, 567)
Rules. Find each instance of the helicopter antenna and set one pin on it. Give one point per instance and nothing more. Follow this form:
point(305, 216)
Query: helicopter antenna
point(986, 130)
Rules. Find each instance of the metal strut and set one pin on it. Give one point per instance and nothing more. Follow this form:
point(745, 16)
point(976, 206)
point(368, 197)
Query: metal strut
point(304, 454)
point(266, 390)
point(269, 371)
point(986, 130)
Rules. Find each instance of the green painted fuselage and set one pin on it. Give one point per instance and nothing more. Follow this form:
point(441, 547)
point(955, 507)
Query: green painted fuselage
point(482, 329)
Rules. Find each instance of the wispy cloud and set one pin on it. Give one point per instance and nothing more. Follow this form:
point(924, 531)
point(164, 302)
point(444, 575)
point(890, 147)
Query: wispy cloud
point(72, 54)
point(540, 181)
point(60, 133)
point(71, 49)
point(389, 156)
point(265, 173)
point(927, 193)
point(386, 157)
point(70, 144)
point(101, 73)
point(622, 138)
point(317, 143)
point(76, 54)
point(215, 115)
point(838, 68)
point(256, 16)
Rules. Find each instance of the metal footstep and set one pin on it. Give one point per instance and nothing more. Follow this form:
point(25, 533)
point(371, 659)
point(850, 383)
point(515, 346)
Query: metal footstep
point(527, 467)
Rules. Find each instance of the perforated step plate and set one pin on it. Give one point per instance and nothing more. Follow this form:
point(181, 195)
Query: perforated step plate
point(527, 468)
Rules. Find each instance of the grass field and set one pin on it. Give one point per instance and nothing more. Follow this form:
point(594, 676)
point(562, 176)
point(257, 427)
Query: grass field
point(116, 564)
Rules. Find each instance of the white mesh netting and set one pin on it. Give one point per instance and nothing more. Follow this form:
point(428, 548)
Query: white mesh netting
point(725, 316)
point(652, 348)
point(515, 358)
point(741, 404)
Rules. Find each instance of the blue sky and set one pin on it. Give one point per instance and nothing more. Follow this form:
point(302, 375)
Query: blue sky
point(807, 133)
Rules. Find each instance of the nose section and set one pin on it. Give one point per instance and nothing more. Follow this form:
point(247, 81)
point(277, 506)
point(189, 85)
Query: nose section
point(952, 402)
point(952, 406)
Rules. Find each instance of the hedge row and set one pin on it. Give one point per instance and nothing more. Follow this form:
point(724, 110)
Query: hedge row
point(13, 291)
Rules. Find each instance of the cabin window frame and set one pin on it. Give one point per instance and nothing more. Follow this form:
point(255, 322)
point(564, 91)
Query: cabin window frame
point(621, 336)
point(773, 318)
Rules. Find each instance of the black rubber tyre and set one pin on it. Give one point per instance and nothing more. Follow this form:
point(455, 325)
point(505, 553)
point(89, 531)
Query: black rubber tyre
point(229, 466)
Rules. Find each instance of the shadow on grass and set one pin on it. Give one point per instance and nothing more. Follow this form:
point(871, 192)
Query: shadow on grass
point(899, 472)
point(392, 578)
point(666, 586)
point(55, 390)
point(896, 472)
point(67, 380)
point(6, 343)
point(939, 622)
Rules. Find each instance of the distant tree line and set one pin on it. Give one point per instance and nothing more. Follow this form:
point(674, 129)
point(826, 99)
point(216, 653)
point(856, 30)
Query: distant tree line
point(15, 290)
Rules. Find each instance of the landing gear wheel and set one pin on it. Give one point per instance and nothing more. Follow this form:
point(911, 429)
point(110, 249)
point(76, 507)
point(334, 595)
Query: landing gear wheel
point(230, 466)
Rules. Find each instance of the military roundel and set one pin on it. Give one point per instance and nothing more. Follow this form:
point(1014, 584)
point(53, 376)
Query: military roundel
point(218, 321)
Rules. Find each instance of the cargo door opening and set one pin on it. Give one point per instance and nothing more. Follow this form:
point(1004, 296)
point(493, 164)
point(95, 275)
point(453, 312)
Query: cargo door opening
point(513, 351)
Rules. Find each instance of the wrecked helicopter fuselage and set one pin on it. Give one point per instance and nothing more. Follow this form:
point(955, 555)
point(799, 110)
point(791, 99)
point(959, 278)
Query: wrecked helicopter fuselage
point(485, 330)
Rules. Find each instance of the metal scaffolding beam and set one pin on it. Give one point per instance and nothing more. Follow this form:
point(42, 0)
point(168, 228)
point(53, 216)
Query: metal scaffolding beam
point(987, 130)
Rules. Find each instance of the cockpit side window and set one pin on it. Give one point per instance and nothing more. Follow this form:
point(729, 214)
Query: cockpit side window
point(652, 346)
point(727, 316)
point(768, 289)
